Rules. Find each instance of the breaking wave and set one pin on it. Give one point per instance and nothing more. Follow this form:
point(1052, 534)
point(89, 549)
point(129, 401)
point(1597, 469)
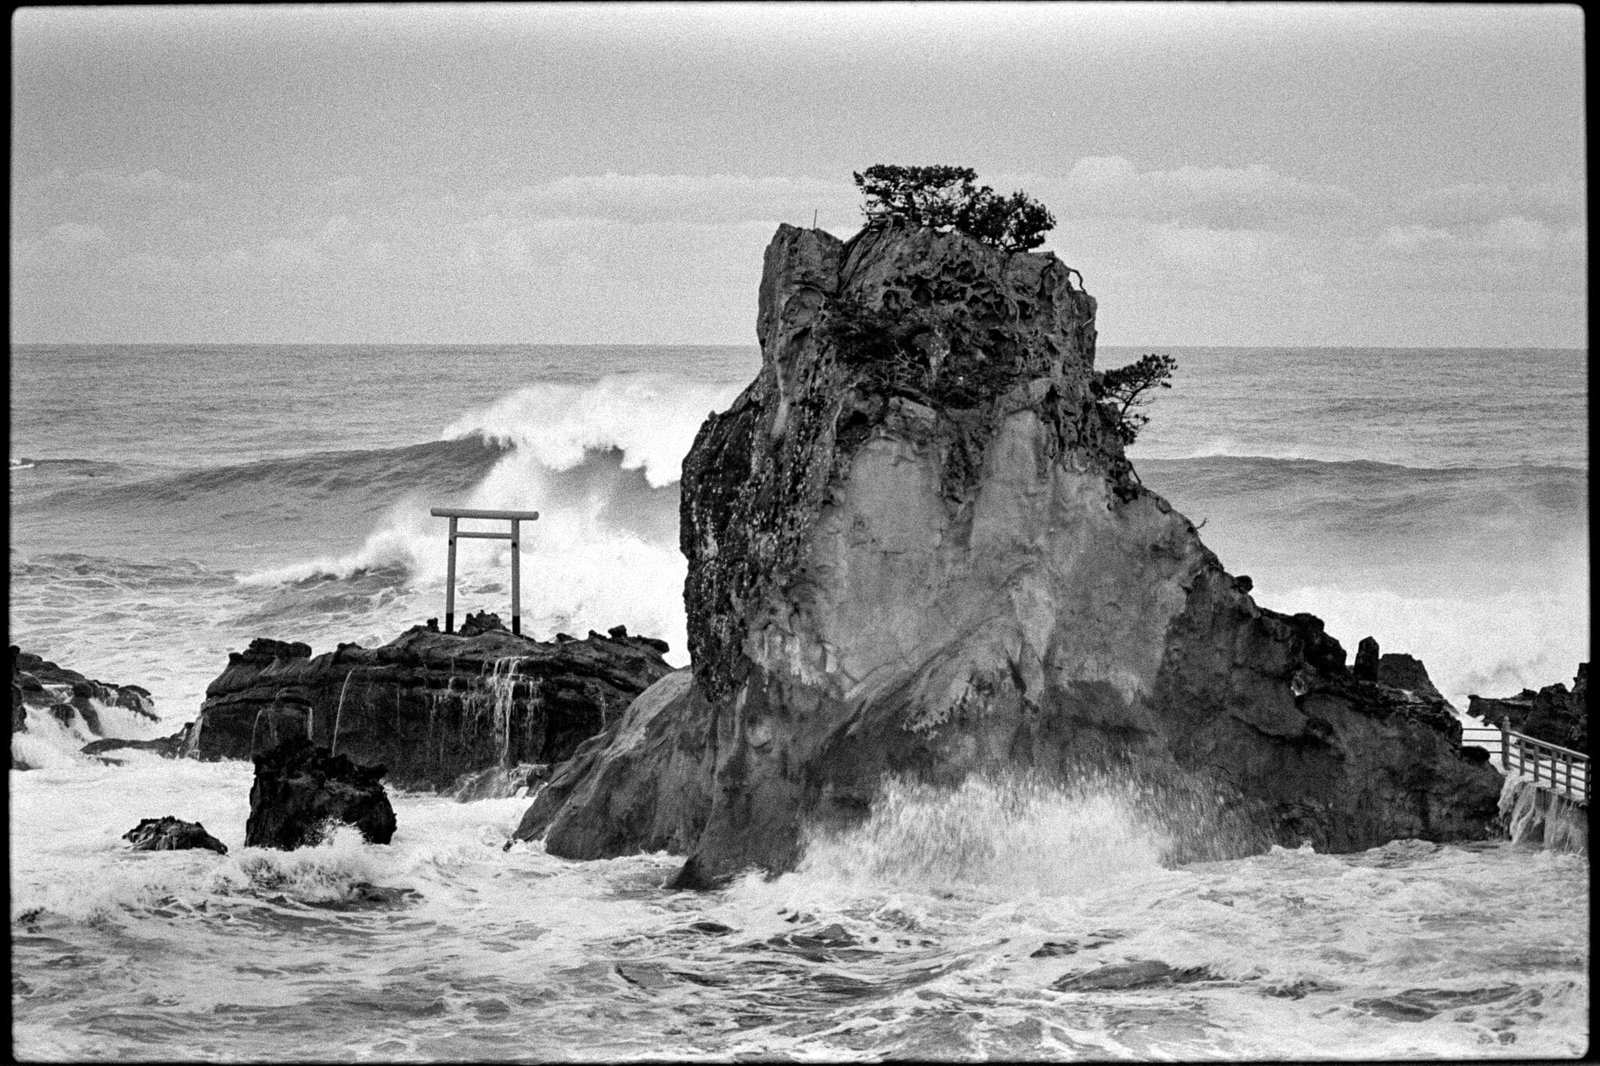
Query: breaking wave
point(600, 464)
point(1023, 833)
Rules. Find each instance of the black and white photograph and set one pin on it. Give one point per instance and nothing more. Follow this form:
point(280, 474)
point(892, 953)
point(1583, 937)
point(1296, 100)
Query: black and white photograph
point(799, 532)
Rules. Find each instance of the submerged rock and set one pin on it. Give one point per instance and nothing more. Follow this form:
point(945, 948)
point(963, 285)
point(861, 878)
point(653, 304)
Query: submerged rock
point(300, 791)
point(1551, 714)
point(171, 834)
point(1135, 973)
point(916, 548)
point(430, 706)
point(169, 747)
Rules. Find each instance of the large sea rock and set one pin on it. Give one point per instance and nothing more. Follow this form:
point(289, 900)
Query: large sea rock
point(916, 547)
point(430, 706)
point(1553, 713)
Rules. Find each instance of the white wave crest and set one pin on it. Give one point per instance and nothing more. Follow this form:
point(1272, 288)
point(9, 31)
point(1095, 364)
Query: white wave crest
point(1472, 644)
point(603, 551)
point(1014, 833)
point(650, 418)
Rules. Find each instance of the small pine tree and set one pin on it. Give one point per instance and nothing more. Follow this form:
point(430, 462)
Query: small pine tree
point(941, 196)
point(1127, 387)
point(923, 196)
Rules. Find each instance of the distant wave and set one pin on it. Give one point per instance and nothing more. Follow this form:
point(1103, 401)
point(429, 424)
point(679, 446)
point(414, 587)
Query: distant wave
point(81, 467)
point(445, 466)
point(80, 571)
point(1350, 493)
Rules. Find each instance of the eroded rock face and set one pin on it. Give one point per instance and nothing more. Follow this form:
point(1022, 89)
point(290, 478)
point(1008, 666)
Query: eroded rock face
point(301, 791)
point(1552, 714)
point(916, 547)
point(430, 706)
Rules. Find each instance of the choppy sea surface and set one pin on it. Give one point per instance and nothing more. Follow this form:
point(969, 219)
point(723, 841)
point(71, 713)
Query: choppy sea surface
point(176, 502)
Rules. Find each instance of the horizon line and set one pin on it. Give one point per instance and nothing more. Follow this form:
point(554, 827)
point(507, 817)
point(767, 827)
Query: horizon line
point(728, 344)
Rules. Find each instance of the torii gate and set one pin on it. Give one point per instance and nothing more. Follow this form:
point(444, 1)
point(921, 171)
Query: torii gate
point(516, 518)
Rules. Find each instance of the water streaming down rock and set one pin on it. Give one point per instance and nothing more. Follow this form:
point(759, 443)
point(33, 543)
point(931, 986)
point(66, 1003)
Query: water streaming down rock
point(430, 706)
point(916, 547)
point(1538, 817)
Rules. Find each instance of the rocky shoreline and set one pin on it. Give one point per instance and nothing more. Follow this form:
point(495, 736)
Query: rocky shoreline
point(1553, 713)
point(916, 550)
point(440, 710)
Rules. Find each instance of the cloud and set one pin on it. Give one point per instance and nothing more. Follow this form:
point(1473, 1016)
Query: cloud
point(1563, 199)
point(1185, 255)
point(150, 181)
point(1250, 197)
point(681, 198)
point(1512, 235)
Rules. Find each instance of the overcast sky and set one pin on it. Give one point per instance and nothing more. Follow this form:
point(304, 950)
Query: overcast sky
point(1342, 175)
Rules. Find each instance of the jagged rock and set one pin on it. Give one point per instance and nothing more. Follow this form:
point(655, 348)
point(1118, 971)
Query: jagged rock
point(1551, 714)
point(169, 747)
point(430, 706)
point(1366, 664)
point(300, 790)
point(482, 622)
point(1399, 670)
point(171, 834)
point(916, 547)
point(68, 695)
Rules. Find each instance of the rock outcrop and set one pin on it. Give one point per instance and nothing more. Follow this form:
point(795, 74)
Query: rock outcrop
point(1551, 714)
point(171, 834)
point(916, 548)
point(430, 706)
point(300, 791)
point(68, 696)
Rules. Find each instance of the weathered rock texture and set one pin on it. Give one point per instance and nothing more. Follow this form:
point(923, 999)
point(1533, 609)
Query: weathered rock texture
point(1552, 714)
point(916, 547)
point(171, 834)
point(430, 706)
point(301, 791)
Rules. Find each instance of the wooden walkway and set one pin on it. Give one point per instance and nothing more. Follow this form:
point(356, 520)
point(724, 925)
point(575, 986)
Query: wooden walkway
point(1550, 766)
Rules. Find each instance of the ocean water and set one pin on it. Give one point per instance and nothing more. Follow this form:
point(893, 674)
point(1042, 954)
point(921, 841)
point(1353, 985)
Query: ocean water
point(183, 500)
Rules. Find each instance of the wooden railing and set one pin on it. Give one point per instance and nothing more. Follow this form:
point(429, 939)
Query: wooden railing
point(1549, 765)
